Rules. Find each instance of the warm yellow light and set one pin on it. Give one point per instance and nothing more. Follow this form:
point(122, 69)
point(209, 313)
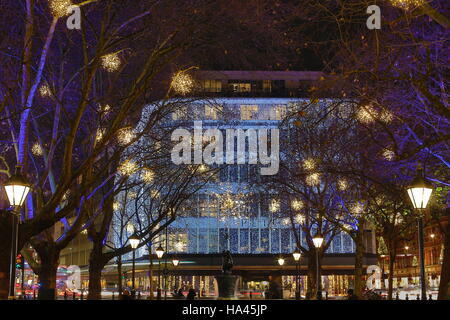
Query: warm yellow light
point(59, 8)
point(309, 164)
point(313, 179)
point(407, 4)
point(280, 261)
point(274, 205)
point(125, 136)
point(389, 154)
point(147, 175)
point(182, 83)
point(128, 167)
point(342, 184)
point(116, 206)
point(297, 205)
point(366, 114)
point(36, 149)
point(111, 62)
point(45, 91)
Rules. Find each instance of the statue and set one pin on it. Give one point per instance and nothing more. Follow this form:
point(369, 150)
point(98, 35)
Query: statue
point(227, 262)
point(226, 282)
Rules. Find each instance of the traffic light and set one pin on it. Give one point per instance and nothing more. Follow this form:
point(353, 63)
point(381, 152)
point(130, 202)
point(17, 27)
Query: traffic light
point(19, 261)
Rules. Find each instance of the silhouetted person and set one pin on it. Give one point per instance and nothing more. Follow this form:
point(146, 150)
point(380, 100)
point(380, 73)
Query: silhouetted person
point(430, 297)
point(158, 294)
point(126, 295)
point(180, 294)
point(418, 297)
point(351, 295)
point(65, 295)
point(191, 294)
point(407, 297)
point(396, 296)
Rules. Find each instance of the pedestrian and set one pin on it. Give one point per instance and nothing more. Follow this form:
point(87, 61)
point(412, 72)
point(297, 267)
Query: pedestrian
point(65, 295)
point(326, 295)
point(158, 294)
point(351, 295)
point(191, 294)
point(407, 297)
point(430, 297)
point(180, 294)
point(396, 296)
point(418, 297)
point(126, 295)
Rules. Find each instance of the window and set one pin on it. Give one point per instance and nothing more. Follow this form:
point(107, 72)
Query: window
point(211, 112)
point(179, 114)
point(278, 112)
point(241, 87)
point(249, 112)
point(267, 86)
point(212, 85)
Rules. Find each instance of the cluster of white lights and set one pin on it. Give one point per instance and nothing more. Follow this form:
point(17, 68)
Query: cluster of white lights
point(111, 62)
point(128, 167)
point(313, 179)
point(182, 83)
point(59, 8)
point(36, 149)
point(297, 205)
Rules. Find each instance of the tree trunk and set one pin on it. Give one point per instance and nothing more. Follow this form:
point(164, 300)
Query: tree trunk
point(311, 291)
point(119, 275)
point(5, 252)
point(358, 285)
point(444, 284)
point(391, 275)
point(96, 265)
point(47, 273)
point(150, 272)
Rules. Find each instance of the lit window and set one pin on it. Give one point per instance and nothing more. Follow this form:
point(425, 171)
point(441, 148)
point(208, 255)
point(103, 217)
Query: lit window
point(211, 112)
point(267, 86)
point(241, 87)
point(179, 114)
point(212, 85)
point(249, 112)
point(278, 112)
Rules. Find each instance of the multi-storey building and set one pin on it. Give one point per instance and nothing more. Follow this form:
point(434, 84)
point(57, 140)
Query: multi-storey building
point(252, 100)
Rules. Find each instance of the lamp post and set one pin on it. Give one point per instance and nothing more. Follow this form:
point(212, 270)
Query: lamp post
point(175, 262)
point(318, 240)
point(297, 255)
point(159, 253)
point(134, 242)
point(420, 192)
point(17, 189)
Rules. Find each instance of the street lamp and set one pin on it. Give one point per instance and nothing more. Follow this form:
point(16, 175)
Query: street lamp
point(159, 253)
point(134, 242)
point(17, 189)
point(420, 192)
point(175, 262)
point(280, 261)
point(297, 255)
point(318, 240)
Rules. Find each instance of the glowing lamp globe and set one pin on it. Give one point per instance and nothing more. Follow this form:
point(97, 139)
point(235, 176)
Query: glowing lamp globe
point(420, 191)
point(175, 262)
point(317, 240)
point(296, 254)
point(17, 188)
point(280, 261)
point(134, 241)
point(159, 252)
